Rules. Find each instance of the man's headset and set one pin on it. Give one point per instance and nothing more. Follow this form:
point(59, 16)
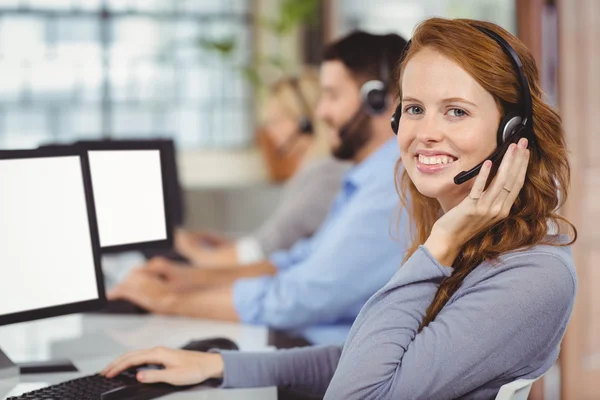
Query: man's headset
point(374, 93)
point(374, 101)
point(514, 125)
point(374, 98)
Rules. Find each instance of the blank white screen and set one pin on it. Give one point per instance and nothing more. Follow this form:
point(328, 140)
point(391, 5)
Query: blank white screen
point(128, 194)
point(46, 256)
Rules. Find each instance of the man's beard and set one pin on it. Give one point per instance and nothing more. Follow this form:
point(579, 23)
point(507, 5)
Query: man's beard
point(354, 135)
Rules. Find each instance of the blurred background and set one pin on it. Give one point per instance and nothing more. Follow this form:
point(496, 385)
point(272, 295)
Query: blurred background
point(197, 71)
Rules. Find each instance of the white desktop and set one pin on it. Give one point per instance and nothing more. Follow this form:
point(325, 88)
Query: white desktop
point(50, 267)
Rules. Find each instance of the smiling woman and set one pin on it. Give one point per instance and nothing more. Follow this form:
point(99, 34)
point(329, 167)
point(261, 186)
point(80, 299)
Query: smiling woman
point(450, 115)
point(487, 287)
point(454, 111)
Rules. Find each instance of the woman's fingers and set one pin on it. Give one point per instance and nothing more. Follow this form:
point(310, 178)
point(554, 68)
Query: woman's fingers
point(511, 187)
point(522, 161)
point(502, 189)
point(479, 184)
point(517, 185)
point(180, 367)
point(523, 171)
point(172, 376)
point(157, 355)
point(187, 375)
point(495, 188)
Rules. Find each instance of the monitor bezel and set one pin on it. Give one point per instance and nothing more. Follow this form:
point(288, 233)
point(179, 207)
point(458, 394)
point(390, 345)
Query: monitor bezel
point(71, 308)
point(117, 145)
point(173, 184)
point(132, 144)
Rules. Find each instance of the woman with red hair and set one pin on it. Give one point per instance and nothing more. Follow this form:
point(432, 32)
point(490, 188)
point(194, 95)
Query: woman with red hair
point(488, 285)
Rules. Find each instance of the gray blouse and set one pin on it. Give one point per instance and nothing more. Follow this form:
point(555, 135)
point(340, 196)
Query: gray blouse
point(506, 322)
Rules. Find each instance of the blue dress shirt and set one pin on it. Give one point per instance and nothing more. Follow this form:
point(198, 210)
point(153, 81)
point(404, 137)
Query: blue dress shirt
point(323, 281)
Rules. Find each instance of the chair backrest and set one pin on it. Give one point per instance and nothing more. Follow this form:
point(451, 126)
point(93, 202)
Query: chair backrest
point(517, 390)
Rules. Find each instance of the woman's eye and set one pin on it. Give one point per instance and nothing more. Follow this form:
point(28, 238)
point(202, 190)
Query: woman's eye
point(413, 110)
point(457, 112)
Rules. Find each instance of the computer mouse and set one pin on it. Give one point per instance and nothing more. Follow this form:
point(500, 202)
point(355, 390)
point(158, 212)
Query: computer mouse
point(210, 343)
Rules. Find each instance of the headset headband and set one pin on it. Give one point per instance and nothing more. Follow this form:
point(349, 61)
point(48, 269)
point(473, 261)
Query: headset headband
point(518, 66)
point(515, 60)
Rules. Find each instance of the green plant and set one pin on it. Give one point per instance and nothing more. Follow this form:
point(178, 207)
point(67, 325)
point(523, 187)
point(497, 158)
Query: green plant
point(291, 14)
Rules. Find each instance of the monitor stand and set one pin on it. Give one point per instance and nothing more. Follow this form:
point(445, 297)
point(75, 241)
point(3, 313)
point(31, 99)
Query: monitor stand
point(9, 369)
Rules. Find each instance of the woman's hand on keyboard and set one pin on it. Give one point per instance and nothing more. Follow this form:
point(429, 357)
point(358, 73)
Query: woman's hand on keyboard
point(181, 367)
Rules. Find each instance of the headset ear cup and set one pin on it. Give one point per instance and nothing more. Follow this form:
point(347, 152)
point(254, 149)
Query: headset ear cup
point(396, 119)
point(305, 126)
point(374, 97)
point(376, 101)
point(507, 127)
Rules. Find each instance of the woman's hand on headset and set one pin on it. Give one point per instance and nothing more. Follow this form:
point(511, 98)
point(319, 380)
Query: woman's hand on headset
point(481, 209)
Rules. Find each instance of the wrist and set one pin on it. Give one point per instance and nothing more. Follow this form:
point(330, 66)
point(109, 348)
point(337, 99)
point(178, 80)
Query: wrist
point(218, 366)
point(441, 248)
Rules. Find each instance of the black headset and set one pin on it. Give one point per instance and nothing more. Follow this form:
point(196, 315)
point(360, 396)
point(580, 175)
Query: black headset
point(374, 98)
point(514, 125)
point(374, 93)
point(305, 124)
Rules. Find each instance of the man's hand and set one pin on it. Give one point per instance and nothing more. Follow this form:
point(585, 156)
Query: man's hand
point(185, 240)
point(177, 276)
point(145, 289)
point(205, 249)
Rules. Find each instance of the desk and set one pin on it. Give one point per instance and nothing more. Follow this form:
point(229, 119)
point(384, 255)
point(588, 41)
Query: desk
point(91, 341)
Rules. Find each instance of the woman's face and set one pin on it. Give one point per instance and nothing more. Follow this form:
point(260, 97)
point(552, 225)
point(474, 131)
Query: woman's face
point(279, 125)
point(448, 125)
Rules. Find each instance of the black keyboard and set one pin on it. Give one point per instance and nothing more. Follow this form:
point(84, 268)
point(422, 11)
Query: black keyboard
point(124, 386)
point(96, 387)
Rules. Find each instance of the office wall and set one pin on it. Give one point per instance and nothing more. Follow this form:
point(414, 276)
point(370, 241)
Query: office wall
point(579, 100)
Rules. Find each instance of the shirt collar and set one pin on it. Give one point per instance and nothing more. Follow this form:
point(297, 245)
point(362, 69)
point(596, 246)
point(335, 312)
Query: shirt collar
point(377, 164)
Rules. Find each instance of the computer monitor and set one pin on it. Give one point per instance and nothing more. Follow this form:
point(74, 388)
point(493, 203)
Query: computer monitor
point(131, 194)
point(49, 245)
point(171, 181)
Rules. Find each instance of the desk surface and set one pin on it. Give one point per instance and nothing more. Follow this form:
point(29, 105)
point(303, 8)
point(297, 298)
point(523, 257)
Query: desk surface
point(91, 341)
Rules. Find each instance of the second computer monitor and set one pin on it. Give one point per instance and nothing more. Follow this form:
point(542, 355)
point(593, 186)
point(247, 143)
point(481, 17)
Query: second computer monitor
point(130, 195)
